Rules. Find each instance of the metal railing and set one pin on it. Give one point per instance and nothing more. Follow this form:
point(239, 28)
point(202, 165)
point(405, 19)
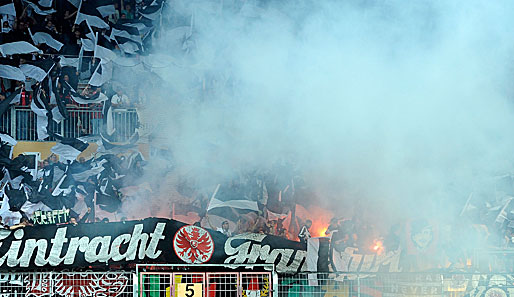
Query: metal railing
point(68, 284)
point(198, 283)
point(396, 285)
point(21, 123)
point(493, 260)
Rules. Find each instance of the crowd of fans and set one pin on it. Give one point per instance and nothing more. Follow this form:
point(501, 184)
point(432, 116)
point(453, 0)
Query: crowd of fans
point(77, 73)
point(277, 191)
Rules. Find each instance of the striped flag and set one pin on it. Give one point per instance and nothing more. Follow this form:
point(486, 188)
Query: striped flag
point(152, 11)
point(229, 204)
point(96, 98)
point(69, 148)
point(38, 69)
point(126, 31)
point(104, 49)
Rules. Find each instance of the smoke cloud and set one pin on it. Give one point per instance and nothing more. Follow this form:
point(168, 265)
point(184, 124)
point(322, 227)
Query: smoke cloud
point(389, 109)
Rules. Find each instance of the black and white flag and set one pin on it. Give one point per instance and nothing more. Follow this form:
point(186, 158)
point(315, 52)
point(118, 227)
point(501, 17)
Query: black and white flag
point(46, 3)
point(96, 98)
point(104, 49)
point(105, 7)
point(38, 69)
point(69, 148)
point(18, 48)
point(38, 8)
point(40, 107)
point(129, 47)
point(143, 25)
point(69, 61)
point(230, 204)
point(88, 12)
point(4, 105)
point(128, 32)
point(7, 7)
point(102, 74)
point(75, 3)
point(43, 35)
point(11, 72)
point(152, 11)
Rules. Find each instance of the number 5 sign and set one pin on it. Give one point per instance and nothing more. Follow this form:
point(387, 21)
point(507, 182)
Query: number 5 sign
point(189, 290)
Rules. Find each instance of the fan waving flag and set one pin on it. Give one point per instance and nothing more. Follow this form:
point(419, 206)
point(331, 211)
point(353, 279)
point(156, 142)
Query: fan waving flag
point(40, 107)
point(43, 35)
point(152, 11)
point(96, 98)
point(105, 7)
point(7, 7)
point(69, 148)
point(129, 32)
point(75, 3)
point(143, 25)
point(9, 70)
point(4, 105)
point(104, 49)
point(46, 3)
point(102, 74)
point(18, 48)
point(230, 204)
point(38, 69)
point(38, 8)
point(88, 12)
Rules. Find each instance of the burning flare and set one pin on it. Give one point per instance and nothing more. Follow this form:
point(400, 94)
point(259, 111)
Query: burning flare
point(378, 246)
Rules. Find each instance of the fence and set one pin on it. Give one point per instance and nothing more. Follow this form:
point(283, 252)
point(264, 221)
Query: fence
point(68, 284)
point(198, 283)
point(21, 123)
point(204, 280)
point(209, 284)
point(396, 285)
point(501, 260)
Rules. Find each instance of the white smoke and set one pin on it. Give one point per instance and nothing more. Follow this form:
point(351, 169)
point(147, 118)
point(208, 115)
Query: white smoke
point(391, 108)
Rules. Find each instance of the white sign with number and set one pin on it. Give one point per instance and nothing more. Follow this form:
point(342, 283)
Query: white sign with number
point(189, 290)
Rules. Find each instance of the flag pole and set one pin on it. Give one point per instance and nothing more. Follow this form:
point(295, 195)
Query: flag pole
point(93, 211)
point(78, 12)
point(213, 195)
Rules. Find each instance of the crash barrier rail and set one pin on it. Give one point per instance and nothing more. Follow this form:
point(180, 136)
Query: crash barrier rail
point(218, 282)
point(68, 284)
point(21, 123)
point(396, 285)
point(205, 280)
point(493, 260)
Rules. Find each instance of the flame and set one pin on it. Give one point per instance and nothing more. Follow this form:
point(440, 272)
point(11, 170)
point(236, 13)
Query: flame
point(378, 246)
point(320, 218)
point(320, 231)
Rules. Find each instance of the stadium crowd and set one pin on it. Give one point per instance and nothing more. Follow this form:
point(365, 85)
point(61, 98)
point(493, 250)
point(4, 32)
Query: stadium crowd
point(73, 56)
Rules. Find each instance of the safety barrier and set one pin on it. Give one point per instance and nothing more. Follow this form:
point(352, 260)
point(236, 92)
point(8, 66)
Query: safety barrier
point(396, 285)
point(489, 260)
point(21, 123)
point(68, 284)
point(205, 281)
point(217, 281)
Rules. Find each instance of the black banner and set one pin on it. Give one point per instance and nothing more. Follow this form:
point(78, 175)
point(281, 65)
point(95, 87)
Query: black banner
point(147, 241)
